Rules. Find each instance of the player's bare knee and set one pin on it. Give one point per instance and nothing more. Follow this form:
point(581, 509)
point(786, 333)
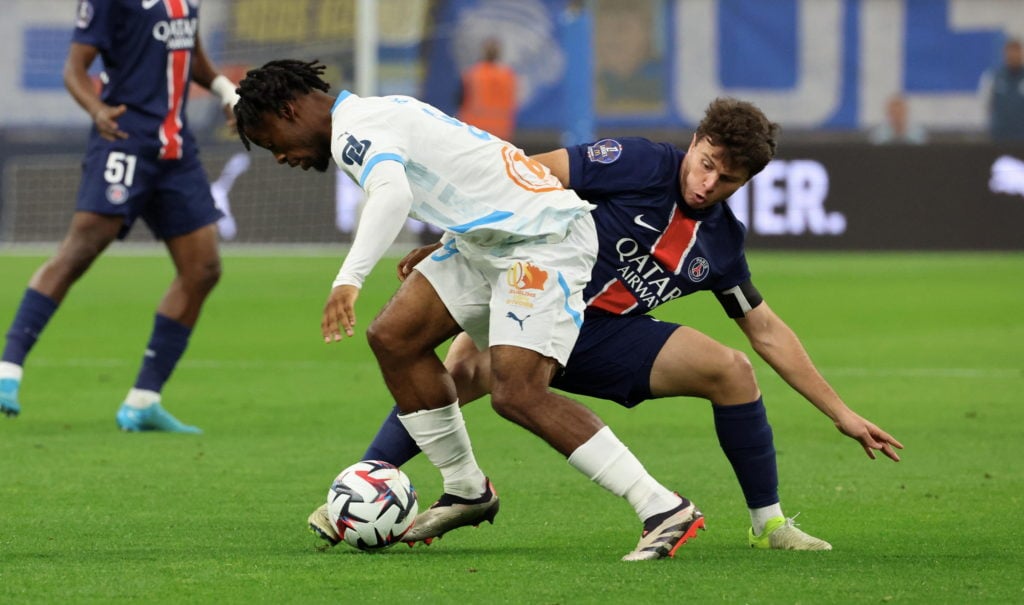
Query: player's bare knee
point(740, 366)
point(735, 383)
point(200, 278)
point(82, 249)
point(507, 408)
point(462, 368)
point(74, 258)
point(379, 340)
point(512, 399)
point(390, 344)
point(209, 274)
point(741, 370)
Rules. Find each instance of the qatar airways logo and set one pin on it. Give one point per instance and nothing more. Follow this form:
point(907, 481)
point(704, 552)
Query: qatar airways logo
point(643, 275)
point(178, 34)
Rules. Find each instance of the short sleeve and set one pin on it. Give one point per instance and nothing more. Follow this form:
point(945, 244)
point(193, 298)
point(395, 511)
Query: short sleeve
point(94, 23)
point(623, 165)
point(364, 141)
point(737, 273)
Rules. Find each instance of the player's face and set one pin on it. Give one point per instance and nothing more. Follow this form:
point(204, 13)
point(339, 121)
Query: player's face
point(705, 178)
point(292, 141)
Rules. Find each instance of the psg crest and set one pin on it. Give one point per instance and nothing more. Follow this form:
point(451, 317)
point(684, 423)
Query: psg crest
point(698, 269)
point(117, 194)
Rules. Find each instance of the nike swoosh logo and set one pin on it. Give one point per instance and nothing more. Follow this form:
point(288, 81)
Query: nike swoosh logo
point(639, 220)
point(148, 4)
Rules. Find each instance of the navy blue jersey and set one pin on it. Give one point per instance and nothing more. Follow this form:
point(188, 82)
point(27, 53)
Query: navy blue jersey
point(652, 247)
point(146, 47)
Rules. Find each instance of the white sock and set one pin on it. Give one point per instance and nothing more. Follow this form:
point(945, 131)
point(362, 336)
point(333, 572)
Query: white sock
point(10, 370)
point(760, 516)
point(442, 436)
point(141, 399)
point(609, 463)
point(234, 168)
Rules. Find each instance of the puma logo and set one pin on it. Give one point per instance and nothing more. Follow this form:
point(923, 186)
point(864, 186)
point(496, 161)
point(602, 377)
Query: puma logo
point(513, 317)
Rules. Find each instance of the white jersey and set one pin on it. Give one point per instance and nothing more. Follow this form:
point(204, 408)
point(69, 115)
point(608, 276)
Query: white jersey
point(482, 189)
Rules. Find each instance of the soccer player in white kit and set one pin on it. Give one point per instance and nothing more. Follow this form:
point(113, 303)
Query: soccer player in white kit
point(518, 250)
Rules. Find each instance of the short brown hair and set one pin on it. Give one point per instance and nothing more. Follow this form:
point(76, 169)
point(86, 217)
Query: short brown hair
point(743, 130)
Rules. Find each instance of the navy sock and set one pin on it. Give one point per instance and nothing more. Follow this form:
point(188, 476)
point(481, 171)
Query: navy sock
point(33, 314)
point(746, 438)
point(392, 443)
point(166, 346)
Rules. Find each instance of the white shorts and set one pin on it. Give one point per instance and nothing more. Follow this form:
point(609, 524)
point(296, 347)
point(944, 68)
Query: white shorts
point(531, 296)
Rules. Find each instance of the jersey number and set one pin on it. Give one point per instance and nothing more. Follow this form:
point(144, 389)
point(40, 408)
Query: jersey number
point(120, 168)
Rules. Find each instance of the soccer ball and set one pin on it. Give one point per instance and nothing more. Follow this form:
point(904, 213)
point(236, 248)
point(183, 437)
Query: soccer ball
point(372, 504)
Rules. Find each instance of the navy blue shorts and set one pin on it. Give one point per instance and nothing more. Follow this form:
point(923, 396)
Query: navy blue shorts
point(613, 358)
point(124, 178)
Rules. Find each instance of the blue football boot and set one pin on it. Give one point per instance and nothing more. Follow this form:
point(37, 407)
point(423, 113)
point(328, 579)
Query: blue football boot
point(152, 418)
point(9, 397)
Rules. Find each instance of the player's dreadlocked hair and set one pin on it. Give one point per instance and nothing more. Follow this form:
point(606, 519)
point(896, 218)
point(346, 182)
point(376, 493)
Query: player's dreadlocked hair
point(269, 88)
point(743, 130)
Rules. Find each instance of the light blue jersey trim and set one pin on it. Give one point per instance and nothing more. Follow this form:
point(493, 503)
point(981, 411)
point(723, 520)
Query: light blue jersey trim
point(572, 312)
point(494, 217)
point(341, 97)
point(380, 157)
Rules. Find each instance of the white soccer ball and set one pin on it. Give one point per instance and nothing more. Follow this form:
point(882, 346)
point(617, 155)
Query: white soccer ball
point(372, 504)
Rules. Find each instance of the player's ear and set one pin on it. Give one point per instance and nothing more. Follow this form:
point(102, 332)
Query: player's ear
point(287, 111)
point(693, 141)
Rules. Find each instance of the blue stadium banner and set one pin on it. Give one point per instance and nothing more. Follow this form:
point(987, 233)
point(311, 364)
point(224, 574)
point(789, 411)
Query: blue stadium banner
point(817, 64)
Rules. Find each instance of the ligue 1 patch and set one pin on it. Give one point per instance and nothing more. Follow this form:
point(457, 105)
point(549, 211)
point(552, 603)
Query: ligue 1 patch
point(117, 194)
point(525, 281)
point(526, 276)
point(83, 17)
point(698, 269)
point(604, 151)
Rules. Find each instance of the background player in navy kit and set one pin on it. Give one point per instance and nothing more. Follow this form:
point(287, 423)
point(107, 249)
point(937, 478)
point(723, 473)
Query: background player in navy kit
point(141, 162)
point(663, 234)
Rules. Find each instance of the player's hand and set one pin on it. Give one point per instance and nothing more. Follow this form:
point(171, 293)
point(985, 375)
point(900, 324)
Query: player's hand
point(106, 122)
point(229, 116)
point(339, 313)
point(405, 266)
point(871, 437)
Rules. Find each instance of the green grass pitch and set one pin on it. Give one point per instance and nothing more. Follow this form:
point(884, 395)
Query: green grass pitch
point(929, 346)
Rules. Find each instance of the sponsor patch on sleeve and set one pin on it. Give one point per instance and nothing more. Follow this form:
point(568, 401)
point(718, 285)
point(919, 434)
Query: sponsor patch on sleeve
point(604, 151)
point(83, 17)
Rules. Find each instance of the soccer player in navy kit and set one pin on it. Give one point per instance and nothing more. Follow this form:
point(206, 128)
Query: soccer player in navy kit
point(663, 234)
point(141, 161)
point(519, 249)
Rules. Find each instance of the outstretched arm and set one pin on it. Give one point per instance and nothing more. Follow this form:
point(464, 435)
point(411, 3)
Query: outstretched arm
point(778, 345)
point(388, 201)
